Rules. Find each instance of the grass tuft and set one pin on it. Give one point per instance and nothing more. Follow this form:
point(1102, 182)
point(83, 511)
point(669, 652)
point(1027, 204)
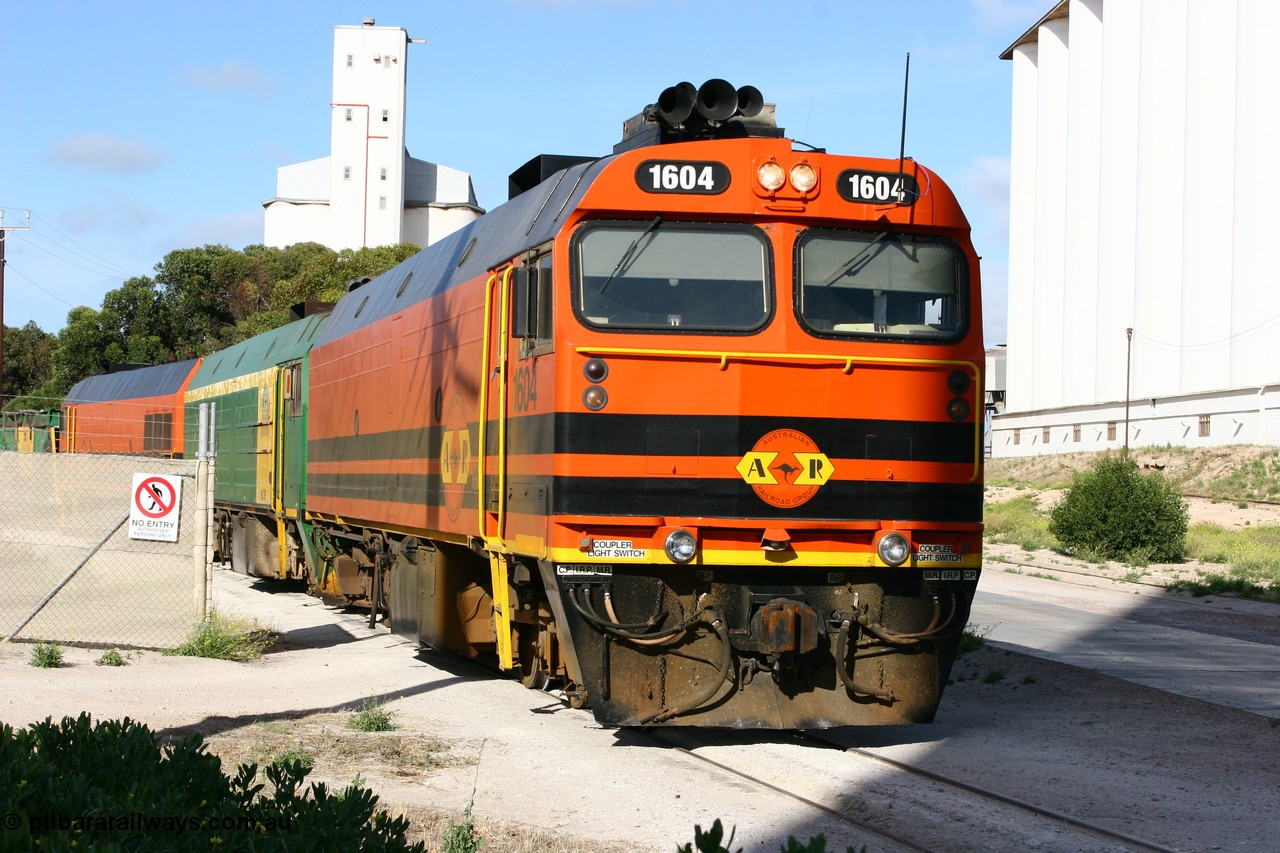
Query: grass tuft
point(373, 716)
point(225, 638)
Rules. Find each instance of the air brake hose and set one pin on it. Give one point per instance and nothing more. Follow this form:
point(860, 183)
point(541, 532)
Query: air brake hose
point(654, 641)
point(726, 664)
point(587, 612)
point(842, 649)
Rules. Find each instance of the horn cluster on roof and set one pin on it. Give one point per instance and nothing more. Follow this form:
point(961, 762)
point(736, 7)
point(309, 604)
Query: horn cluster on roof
point(714, 110)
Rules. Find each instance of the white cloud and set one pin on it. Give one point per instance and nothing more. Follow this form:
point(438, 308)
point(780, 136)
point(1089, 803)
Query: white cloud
point(107, 154)
point(230, 76)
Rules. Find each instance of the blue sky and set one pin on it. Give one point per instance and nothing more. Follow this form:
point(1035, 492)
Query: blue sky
point(135, 128)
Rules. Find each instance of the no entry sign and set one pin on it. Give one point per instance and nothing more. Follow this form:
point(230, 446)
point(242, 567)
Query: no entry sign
point(154, 510)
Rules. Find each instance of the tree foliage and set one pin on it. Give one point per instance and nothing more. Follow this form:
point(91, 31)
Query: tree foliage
point(1114, 511)
point(28, 362)
point(200, 300)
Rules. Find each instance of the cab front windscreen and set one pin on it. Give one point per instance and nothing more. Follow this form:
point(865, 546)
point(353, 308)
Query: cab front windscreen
point(880, 284)
point(671, 276)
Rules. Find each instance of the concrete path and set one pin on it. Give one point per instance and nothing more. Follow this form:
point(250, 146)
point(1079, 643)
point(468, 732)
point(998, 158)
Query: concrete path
point(1219, 650)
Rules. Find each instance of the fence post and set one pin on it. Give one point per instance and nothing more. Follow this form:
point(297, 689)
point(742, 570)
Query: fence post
point(212, 481)
point(200, 551)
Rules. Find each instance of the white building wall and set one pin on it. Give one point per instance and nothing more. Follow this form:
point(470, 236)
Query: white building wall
point(1083, 189)
point(1255, 290)
point(1049, 337)
point(1161, 150)
point(1148, 203)
point(1022, 222)
point(1118, 208)
point(1208, 223)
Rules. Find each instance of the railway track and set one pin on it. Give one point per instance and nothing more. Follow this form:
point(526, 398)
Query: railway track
point(1004, 810)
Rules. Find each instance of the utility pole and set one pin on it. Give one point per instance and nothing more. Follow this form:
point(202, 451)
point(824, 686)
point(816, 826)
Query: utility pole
point(23, 227)
point(1128, 371)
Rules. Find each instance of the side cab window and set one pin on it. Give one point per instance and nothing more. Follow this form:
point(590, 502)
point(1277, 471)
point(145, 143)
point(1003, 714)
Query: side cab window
point(532, 298)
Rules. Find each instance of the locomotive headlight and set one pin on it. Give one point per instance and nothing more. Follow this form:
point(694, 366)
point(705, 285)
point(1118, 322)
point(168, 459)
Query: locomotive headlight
point(894, 548)
point(771, 175)
point(681, 546)
point(803, 177)
point(595, 398)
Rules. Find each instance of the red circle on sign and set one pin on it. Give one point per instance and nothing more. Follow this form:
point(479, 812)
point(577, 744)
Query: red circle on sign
point(155, 497)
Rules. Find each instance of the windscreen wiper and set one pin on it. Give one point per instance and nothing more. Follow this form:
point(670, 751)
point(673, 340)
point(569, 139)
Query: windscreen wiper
point(626, 256)
point(849, 264)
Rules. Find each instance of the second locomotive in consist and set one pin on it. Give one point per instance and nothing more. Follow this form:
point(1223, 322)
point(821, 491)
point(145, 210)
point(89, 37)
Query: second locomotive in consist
point(692, 429)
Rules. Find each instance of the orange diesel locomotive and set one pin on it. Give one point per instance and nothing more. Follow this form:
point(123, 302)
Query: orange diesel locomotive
point(692, 430)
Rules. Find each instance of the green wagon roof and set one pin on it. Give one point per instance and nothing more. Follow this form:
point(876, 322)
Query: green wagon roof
point(260, 352)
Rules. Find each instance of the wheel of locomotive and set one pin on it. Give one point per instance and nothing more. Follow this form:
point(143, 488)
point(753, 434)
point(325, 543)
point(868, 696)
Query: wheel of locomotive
point(528, 652)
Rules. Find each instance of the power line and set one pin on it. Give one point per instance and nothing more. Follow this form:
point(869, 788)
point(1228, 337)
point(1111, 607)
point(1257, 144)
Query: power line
point(1208, 345)
point(110, 263)
point(102, 271)
point(9, 266)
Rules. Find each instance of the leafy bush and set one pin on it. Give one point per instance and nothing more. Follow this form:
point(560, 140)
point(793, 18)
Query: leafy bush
point(46, 655)
point(111, 786)
point(111, 657)
point(1116, 512)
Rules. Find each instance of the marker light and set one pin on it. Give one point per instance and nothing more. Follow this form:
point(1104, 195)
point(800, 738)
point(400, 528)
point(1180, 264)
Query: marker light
point(681, 546)
point(595, 398)
point(803, 177)
point(894, 548)
point(771, 176)
point(958, 382)
point(958, 409)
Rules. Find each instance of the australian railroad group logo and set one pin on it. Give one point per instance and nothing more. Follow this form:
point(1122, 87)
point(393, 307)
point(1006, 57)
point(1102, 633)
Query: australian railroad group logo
point(785, 468)
point(455, 457)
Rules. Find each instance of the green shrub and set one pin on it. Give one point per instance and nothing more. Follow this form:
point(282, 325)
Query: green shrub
point(111, 657)
point(1116, 512)
point(46, 655)
point(111, 786)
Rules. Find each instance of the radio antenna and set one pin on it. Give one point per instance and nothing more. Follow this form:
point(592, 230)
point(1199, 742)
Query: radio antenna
point(902, 141)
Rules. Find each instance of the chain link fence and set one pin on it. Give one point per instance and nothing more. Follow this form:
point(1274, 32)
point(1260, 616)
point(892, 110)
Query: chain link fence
point(73, 569)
